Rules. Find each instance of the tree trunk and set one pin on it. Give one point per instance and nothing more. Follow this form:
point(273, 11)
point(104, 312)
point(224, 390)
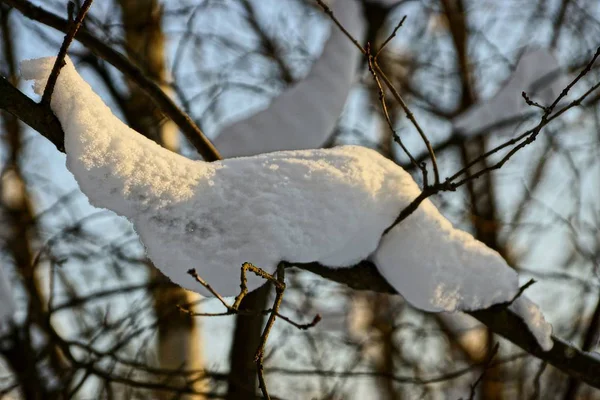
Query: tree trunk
point(242, 380)
point(179, 340)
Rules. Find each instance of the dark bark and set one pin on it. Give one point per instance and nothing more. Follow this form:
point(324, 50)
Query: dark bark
point(130, 70)
point(242, 380)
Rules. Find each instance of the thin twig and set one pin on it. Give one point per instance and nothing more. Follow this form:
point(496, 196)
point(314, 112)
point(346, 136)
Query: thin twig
point(62, 53)
point(450, 184)
point(392, 36)
point(381, 96)
point(485, 368)
point(533, 103)
point(390, 86)
point(234, 308)
point(279, 283)
point(328, 11)
point(412, 207)
point(536, 382)
point(71, 11)
point(412, 119)
point(521, 290)
point(231, 311)
point(192, 272)
point(302, 327)
point(530, 135)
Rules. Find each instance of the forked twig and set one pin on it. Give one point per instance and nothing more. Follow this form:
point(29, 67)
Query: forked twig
point(412, 119)
point(328, 11)
point(389, 38)
point(533, 103)
point(389, 85)
point(201, 281)
point(279, 282)
point(381, 95)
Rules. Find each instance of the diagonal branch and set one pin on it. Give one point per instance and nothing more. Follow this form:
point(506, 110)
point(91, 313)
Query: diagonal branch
point(363, 276)
point(60, 59)
point(119, 61)
point(37, 116)
point(564, 356)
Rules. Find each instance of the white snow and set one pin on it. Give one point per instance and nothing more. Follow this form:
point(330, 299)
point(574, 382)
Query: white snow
point(329, 206)
point(531, 314)
point(538, 73)
point(284, 125)
point(439, 268)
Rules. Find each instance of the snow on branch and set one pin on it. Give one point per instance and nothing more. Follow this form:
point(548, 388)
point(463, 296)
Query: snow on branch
point(297, 205)
point(329, 206)
point(131, 71)
point(537, 75)
point(364, 276)
point(500, 319)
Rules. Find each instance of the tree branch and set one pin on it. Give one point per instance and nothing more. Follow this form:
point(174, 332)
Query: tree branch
point(120, 62)
point(363, 276)
point(563, 356)
point(62, 53)
point(37, 116)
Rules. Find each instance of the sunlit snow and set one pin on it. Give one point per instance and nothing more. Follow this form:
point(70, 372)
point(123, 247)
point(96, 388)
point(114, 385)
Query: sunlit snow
point(533, 317)
point(329, 206)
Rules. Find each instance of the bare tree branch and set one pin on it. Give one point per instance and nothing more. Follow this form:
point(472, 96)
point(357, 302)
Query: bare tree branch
point(162, 100)
point(37, 116)
point(564, 356)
